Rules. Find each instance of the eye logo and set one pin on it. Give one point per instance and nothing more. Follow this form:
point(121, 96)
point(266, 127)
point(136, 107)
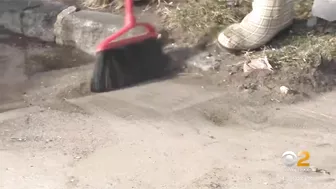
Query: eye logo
point(289, 158)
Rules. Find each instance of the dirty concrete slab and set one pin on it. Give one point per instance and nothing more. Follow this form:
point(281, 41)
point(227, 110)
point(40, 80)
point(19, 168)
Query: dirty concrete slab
point(86, 151)
point(26, 67)
point(149, 136)
point(34, 176)
point(18, 113)
point(139, 137)
point(107, 105)
point(162, 97)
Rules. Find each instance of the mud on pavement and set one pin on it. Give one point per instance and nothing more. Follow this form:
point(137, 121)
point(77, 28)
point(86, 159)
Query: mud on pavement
point(128, 137)
point(34, 71)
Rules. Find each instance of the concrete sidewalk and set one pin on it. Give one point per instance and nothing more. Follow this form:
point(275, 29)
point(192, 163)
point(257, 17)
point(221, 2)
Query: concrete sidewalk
point(145, 137)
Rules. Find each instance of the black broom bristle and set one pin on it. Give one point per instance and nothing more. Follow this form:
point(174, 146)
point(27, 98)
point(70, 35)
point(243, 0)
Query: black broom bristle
point(129, 65)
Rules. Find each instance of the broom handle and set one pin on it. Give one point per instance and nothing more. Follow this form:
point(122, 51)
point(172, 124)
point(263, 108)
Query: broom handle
point(129, 16)
point(130, 22)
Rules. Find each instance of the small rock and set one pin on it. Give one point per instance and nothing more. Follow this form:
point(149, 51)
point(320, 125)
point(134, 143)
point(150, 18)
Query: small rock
point(313, 169)
point(284, 89)
point(324, 9)
point(215, 185)
point(330, 30)
point(311, 22)
point(19, 139)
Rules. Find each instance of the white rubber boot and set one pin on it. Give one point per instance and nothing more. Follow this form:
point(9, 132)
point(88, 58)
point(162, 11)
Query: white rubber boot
point(266, 20)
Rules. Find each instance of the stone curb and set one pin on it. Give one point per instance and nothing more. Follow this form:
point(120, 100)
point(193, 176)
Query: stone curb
point(30, 18)
point(59, 19)
point(86, 29)
point(56, 22)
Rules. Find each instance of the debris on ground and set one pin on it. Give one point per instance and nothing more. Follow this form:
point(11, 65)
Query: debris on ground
point(259, 63)
point(296, 55)
point(318, 170)
point(311, 22)
point(284, 90)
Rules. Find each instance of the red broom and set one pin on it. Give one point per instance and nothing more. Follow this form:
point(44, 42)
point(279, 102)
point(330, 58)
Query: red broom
point(128, 61)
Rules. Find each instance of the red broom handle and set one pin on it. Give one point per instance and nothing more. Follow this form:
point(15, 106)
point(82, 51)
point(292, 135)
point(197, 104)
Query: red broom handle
point(129, 23)
point(129, 16)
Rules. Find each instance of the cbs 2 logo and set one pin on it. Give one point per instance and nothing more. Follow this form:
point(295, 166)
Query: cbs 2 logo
point(290, 158)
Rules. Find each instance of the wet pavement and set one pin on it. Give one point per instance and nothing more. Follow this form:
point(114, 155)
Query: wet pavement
point(22, 59)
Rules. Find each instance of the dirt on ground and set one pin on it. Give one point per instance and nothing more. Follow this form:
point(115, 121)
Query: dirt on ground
point(49, 74)
point(184, 134)
point(303, 60)
point(303, 82)
point(226, 128)
point(33, 72)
